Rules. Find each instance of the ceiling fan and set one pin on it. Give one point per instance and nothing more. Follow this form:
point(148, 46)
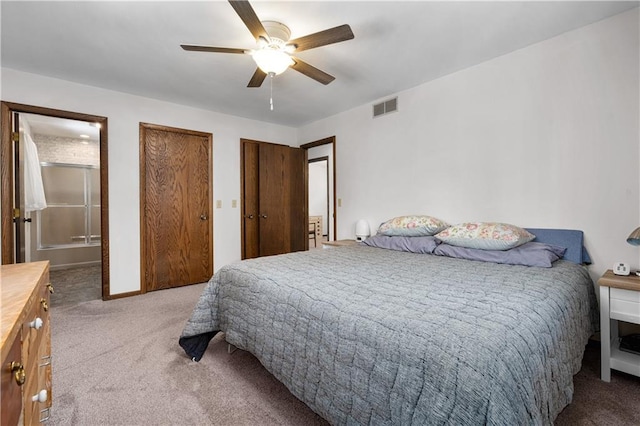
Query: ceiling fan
point(273, 54)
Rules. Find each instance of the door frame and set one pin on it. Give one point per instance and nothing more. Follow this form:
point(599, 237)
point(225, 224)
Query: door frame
point(143, 127)
point(327, 141)
point(7, 109)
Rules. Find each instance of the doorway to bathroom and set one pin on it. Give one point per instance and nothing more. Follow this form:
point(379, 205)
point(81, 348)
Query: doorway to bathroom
point(58, 203)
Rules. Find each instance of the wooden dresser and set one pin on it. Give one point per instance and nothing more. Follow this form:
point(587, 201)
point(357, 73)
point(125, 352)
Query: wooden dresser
point(26, 343)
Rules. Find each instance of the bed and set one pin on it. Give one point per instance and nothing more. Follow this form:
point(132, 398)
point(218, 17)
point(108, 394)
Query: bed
point(366, 335)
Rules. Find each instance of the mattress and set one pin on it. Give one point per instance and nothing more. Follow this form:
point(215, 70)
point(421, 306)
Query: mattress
point(364, 335)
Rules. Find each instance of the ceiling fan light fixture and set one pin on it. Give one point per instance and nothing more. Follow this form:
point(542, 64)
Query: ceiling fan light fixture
point(275, 47)
point(272, 60)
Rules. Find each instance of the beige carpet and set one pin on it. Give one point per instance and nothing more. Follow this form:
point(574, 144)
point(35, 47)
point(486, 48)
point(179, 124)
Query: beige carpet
point(119, 363)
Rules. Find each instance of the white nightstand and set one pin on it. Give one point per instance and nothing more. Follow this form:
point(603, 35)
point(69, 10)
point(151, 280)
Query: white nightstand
point(338, 243)
point(619, 301)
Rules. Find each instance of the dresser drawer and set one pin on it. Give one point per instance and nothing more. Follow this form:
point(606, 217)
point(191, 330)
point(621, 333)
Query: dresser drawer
point(624, 305)
point(626, 295)
point(36, 325)
point(11, 391)
point(37, 396)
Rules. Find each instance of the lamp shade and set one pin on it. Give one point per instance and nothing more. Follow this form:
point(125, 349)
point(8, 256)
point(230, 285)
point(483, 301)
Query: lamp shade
point(362, 230)
point(634, 237)
point(272, 60)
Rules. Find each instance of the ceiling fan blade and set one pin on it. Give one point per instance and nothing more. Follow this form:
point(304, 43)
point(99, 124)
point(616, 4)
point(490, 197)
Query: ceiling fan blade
point(250, 19)
point(311, 71)
point(211, 49)
point(322, 38)
point(257, 79)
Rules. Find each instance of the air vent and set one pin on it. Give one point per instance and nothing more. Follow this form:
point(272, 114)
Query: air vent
point(385, 107)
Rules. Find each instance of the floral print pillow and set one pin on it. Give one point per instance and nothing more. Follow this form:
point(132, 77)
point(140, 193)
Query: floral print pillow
point(485, 235)
point(412, 226)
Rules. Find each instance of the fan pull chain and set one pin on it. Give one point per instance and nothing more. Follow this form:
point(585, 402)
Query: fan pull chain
point(271, 95)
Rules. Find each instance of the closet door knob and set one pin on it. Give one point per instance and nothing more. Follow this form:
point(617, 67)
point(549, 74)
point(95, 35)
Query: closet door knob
point(203, 217)
point(250, 216)
point(264, 216)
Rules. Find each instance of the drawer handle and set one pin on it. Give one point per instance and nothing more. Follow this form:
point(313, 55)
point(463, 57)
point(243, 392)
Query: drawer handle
point(48, 415)
point(18, 372)
point(36, 323)
point(40, 396)
point(47, 361)
point(50, 287)
point(44, 304)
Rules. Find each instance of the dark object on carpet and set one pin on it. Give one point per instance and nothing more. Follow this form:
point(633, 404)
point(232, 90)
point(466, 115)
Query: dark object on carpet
point(196, 345)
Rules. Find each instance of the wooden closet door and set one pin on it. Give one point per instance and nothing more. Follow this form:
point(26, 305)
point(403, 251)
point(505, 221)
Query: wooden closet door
point(250, 198)
point(299, 206)
point(274, 199)
point(176, 193)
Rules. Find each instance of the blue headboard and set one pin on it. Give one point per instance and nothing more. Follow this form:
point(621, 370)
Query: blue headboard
point(573, 240)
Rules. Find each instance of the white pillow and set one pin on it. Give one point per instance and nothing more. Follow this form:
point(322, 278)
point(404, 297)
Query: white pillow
point(485, 235)
point(412, 226)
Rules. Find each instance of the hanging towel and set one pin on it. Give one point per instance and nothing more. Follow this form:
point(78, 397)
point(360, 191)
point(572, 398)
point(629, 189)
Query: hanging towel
point(34, 198)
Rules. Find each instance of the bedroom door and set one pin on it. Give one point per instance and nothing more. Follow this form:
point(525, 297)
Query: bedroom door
point(273, 199)
point(176, 206)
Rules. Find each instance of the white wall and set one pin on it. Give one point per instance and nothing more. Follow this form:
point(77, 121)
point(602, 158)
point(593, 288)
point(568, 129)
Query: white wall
point(124, 113)
point(546, 136)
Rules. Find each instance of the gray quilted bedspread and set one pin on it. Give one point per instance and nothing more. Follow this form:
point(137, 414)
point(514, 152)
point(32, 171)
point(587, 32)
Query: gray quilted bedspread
point(370, 336)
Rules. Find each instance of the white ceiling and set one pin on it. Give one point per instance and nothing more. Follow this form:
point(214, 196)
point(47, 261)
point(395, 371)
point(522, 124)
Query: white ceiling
point(134, 47)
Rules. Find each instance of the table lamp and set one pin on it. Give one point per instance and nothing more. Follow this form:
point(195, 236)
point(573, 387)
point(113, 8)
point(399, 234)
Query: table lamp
point(362, 230)
point(634, 237)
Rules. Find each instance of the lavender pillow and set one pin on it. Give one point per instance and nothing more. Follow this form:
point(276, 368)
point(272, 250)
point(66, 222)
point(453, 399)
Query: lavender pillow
point(528, 254)
point(424, 245)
